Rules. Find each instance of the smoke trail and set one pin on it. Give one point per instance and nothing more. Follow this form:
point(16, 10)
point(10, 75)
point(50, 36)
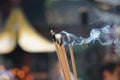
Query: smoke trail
point(71, 38)
point(104, 35)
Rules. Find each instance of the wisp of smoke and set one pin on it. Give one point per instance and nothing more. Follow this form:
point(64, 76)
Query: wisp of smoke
point(105, 36)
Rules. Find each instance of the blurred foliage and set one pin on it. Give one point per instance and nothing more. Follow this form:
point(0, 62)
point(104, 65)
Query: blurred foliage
point(48, 3)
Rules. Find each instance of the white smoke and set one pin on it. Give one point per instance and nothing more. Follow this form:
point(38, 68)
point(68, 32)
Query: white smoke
point(105, 36)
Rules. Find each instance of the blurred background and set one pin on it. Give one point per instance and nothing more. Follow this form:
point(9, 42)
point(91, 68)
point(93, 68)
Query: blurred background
point(26, 48)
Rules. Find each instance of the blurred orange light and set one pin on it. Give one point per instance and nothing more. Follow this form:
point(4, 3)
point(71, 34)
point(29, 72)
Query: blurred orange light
point(25, 69)
point(29, 77)
point(21, 74)
point(14, 71)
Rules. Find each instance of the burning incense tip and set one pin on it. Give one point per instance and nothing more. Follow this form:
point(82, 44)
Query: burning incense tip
point(52, 32)
point(53, 35)
point(59, 38)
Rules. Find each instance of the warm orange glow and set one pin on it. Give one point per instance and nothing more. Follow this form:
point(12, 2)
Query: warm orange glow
point(21, 74)
point(29, 77)
point(25, 69)
point(14, 71)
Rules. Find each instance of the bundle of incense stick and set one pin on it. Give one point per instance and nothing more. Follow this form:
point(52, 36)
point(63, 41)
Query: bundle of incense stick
point(62, 57)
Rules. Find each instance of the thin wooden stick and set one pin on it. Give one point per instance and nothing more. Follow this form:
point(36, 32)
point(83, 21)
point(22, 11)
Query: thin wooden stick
point(63, 63)
point(60, 60)
point(58, 55)
point(66, 62)
point(73, 62)
point(61, 53)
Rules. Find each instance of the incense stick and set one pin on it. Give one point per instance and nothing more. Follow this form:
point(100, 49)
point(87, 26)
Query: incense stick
point(60, 58)
point(63, 55)
point(58, 54)
point(73, 62)
point(72, 58)
point(67, 76)
point(66, 62)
